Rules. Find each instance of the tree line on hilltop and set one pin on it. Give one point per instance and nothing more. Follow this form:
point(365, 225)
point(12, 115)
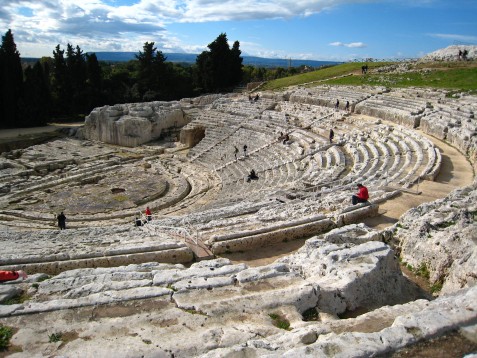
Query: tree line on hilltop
point(72, 83)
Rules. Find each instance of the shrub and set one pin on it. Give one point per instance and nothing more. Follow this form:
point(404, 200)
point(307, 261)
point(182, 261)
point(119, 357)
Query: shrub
point(5, 334)
point(423, 271)
point(311, 314)
point(279, 321)
point(54, 337)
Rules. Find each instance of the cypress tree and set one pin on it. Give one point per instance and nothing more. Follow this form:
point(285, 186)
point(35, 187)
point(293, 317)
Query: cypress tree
point(11, 80)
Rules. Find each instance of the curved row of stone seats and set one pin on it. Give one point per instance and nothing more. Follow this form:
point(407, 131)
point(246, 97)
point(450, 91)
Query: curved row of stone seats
point(304, 115)
point(214, 286)
point(328, 95)
point(177, 188)
point(89, 247)
point(242, 107)
point(444, 116)
point(394, 108)
point(204, 183)
point(382, 150)
point(454, 123)
point(87, 171)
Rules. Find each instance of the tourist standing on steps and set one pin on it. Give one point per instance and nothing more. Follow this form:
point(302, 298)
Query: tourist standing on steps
point(347, 106)
point(337, 104)
point(332, 135)
point(235, 152)
point(61, 221)
point(12, 275)
point(148, 214)
point(361, 196)
point(245, 150)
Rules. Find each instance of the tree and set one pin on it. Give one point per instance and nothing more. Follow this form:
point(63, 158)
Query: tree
point(94, 82)
point(236, 67)
point(61, 85)
point(76, 75)
point(35, 108)
point(11, 80)
point(152, 75)
point(220, 68)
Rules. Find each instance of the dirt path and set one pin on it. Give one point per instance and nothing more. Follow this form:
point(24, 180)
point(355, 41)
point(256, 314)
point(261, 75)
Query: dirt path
point(51, 127)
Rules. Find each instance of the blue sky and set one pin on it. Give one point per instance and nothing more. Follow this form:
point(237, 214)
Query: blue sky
point(338, 30)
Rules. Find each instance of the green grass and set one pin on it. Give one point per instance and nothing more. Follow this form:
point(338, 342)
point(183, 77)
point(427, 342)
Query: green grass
point(436, 287)
point(455, 77)
point(320, 75)
point(54, 337)
point(423, 271)
point(120, 198)
point(17, 299)
point(193, 311)
point(5, 334)
point(279, 321)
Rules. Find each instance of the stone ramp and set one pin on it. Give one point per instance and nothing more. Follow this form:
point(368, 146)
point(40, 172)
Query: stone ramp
point(200, 250)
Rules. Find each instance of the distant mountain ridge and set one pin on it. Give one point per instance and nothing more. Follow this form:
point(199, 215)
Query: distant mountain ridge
point(190, 58)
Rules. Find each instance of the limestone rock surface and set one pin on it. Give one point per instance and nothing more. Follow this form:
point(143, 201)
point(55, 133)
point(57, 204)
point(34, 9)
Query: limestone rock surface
point(132, 124)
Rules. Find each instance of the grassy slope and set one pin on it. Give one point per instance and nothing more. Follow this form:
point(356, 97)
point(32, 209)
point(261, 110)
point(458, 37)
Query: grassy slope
point(457, 76)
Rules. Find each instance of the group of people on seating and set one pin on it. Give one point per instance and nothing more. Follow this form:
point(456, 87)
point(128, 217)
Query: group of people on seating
point(148, 214)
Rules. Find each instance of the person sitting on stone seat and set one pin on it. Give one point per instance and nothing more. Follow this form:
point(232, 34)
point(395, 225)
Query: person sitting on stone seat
point(252, 176)
point(286, 139)
point(361, 196)
point(12, 275)
point(148, 214)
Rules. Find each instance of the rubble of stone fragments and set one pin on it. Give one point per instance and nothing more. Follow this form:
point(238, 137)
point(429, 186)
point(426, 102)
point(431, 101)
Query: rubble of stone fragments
point(109, 288)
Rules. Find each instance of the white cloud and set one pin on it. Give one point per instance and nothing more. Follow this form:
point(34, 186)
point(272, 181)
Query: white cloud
point(350, 45)
point(455, 37)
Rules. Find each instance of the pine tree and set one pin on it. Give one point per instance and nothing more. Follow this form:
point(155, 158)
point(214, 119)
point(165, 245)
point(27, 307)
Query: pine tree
point(220, 68)
point(61, 85)
point(11, 79)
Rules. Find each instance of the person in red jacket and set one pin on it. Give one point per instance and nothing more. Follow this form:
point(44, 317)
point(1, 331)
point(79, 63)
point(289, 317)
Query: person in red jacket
point(361, 196)
point(148, 214)
point(12, 275)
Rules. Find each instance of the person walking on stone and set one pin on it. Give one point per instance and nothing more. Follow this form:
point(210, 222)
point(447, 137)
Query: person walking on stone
point(332, 135)
point(235, 152)
point(347, 106)
point(61, 221)
point(245, 150)
point(361, 196)
point(148, 214)
point(337, 104)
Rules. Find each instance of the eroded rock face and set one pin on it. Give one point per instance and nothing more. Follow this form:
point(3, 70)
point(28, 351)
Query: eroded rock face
point(451, 53)
point(438, 239)
point(132, 124)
